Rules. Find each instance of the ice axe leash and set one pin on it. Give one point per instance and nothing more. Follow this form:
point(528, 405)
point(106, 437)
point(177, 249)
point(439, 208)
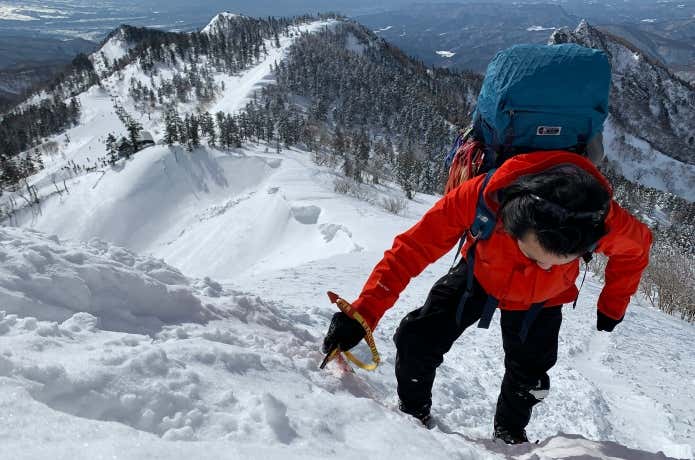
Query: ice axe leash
point(346, 308)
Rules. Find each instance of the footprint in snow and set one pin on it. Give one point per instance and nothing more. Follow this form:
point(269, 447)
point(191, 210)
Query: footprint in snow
point(276, 416)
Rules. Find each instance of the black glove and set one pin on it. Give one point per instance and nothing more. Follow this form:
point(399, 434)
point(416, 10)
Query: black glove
point(606, 323)
point(344, 332)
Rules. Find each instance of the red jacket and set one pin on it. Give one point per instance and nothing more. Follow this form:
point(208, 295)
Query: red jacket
point(500, 267)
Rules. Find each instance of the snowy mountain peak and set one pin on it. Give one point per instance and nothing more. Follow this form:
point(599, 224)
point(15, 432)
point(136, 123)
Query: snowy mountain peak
point(114, 47)
point(221, 21)
point(584, 34)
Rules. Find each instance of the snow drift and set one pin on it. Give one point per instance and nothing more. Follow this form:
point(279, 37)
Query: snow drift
point(44, 278)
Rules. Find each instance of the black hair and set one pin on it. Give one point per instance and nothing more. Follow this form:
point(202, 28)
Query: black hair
point(565, 207)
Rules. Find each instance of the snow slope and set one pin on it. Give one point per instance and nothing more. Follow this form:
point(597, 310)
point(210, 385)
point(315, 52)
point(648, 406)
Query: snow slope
point(173, 305)
point(194, 365)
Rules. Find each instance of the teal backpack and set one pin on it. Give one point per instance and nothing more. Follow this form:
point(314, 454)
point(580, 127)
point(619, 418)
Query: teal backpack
point(543, 97)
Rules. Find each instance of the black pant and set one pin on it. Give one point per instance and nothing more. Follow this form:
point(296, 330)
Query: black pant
point(426, 334)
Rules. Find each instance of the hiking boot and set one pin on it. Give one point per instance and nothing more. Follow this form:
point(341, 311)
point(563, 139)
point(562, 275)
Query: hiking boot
point(422, 414)
point(509, 436)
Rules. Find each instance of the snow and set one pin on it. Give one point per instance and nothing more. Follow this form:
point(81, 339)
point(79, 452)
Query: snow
point(234, 362)
point(445, 54)
point(45, 279)
point(173, 306)
point(642, 163)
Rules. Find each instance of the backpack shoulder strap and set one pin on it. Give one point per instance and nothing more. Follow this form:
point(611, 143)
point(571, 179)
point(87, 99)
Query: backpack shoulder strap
point(484, 222)
point(485, 219)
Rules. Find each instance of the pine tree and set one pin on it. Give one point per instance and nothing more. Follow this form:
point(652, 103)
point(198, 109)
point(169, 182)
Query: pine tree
point(171, 126)
point(361, 154)
point(338, 144)
point(406, 173)
point(111, 148)
point(222, 128)
point(134, 129)
point(9, 174)
point(207, 126)
point(192, 128)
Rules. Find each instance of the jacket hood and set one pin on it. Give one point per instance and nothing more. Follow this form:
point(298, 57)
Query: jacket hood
point(535, 162)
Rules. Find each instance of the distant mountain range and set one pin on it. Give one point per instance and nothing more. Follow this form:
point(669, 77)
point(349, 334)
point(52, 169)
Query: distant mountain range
point(463, 34)
point(467, 36)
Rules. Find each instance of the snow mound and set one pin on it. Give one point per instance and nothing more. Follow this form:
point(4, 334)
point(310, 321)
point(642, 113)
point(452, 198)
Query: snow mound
point(45, 278)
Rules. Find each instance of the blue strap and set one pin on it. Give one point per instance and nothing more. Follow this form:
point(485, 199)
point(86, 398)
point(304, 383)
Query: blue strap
point(488, 312)
point(485, 219)
point(481, 229)
point(458, 250)
point(470, 261)
point(529, 318)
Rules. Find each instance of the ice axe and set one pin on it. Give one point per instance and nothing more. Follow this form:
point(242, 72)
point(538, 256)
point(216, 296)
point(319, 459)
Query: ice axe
point(346, 308)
